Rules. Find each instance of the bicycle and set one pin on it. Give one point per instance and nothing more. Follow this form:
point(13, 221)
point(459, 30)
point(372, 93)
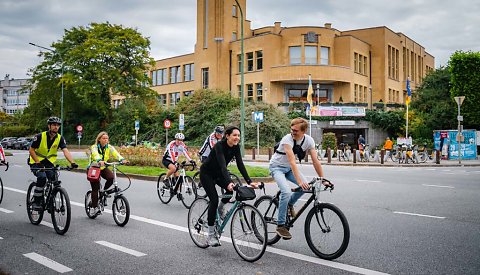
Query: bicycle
point(248, 229)
point(177, 184)
point(120, 205)
point(56, 202)
point(201, 191)
point(326, 227)
point(1, 182)
point(342, 152)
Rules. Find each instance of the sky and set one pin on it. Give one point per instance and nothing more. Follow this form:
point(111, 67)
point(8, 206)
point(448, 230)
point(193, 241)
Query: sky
point(441, 26)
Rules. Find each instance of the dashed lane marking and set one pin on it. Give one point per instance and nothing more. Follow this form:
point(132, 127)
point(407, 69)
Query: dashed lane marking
point(419, 215)
point(121, 248)
point(440, 186)
point(48, 262)
point(5, 210)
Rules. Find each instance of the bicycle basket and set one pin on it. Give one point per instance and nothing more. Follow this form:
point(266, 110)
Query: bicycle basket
point(245, 193)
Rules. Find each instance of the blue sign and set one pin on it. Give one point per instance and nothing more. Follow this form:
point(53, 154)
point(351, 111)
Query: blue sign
point(468, 147)
point(258, 117)
point(181, 122)
point(137, 125)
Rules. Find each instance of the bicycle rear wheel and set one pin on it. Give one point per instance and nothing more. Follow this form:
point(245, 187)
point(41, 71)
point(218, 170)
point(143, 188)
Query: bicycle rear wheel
point(197, 222)
point(199, 187)
point(60, 210)
point(249, 233)
point(268, 207)
point(1, 190)
point(121, 210)
point(88, 204)
point(327, 231)
point(188, 189)
point(164, 193)
point(34, 216)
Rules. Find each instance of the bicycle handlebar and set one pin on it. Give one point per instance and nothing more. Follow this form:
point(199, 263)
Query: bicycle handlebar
point(55, 168)
point(313, 181)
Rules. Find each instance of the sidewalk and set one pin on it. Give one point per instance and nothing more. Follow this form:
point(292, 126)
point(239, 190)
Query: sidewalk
point(389, 163)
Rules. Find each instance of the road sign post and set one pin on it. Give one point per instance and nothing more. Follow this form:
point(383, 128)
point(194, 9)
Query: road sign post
point(257, 118)
point(181, 122)
point(459, 101)
point(137, 127)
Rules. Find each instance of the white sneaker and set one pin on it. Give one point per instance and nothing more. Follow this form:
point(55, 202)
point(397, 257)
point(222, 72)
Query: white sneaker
point(94, 211)
point(213, 241)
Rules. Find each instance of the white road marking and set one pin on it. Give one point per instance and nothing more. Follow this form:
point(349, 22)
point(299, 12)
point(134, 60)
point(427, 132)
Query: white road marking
point(15, 190)
point(431, 169)
point(277, 251)
point(5, 210)
point(47, 224)
point(16, 165)
point(121, 248)
point(419, 215)
point(48, 262)
point(376, 181)
point(441, 186)
point(1, 238)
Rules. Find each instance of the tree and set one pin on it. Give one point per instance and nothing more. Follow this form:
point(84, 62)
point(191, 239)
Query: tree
point(98, 60)
point(432, 105)
point(465, 79)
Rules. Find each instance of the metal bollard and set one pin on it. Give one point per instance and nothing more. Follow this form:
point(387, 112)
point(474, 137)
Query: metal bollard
point(354, 155)
point(329, 155)
point(437, 156)
point(382, 155)
point(253, 153)
point(269, 153)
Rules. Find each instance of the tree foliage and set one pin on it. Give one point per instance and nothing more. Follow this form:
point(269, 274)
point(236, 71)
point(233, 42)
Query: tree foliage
point(92, 62)
point(432, 106)
point(392, 122)
point(465, 79)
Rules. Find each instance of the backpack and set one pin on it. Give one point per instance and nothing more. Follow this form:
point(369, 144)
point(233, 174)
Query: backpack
point(297, 149)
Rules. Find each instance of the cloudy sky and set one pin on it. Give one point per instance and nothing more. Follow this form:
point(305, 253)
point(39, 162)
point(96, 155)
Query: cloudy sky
point(441, 26)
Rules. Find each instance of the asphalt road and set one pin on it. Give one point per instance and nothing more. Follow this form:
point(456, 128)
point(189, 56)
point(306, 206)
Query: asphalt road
point(402, 221)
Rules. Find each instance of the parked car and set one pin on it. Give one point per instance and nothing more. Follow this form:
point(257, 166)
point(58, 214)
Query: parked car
point(8, 142)
point(22, 143)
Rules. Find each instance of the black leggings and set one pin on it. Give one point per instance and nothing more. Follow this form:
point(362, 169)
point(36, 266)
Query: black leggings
point(208, 183)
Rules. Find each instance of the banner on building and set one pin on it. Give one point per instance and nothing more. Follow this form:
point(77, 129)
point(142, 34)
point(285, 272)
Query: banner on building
point(468, 147)
point(337, 111)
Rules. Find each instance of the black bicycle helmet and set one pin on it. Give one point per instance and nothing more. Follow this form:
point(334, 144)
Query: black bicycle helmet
point(54, 119)
point(219, 129)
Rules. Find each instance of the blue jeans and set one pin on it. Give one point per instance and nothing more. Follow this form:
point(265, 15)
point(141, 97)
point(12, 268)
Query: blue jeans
point(282, 175)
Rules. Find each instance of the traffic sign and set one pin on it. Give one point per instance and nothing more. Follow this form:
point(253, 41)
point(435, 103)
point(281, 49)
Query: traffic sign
point(167, 123)
point(181, 122)
point(137, 125)
point(258, 117)
point(79, 128)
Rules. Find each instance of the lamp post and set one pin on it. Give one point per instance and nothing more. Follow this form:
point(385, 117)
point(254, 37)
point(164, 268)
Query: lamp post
point(459, 100)
point(242, 82)
point(61, 100)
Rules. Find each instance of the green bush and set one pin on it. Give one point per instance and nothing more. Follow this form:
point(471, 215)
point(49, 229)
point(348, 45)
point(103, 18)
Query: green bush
point(15, 131)
point(329, 141)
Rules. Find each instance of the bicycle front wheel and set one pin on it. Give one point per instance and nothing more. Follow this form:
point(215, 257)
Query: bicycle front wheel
point(422, 157)
point(163, 191)
point(88, 204)
point(269, 209)
point(327, 231)
point(60, 210)
point(34, 216)
point(197, 222)
point(249, 233)
point(1, 190)
point(199, 187)
point(120, 210)
point(188, 190)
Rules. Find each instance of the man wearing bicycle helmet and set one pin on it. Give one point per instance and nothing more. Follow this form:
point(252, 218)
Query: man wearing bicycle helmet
point(210, 141)
point(43, 154)
point(173, 151)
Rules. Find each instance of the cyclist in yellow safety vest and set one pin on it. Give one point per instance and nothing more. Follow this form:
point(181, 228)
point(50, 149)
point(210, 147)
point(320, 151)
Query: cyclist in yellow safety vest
point(101, 152)
point(43, 154)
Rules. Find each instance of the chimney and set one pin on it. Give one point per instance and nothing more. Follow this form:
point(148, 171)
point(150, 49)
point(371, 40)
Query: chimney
point(328, 25)
point(277, 27)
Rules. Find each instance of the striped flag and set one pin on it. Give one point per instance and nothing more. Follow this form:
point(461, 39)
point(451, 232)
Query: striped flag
point(310, 91)
point(409, 92)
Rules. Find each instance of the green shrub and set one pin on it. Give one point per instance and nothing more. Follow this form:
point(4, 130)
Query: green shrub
point(329, 141)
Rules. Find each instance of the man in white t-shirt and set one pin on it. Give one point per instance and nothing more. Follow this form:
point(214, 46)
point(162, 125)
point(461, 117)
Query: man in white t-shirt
point(283, 168)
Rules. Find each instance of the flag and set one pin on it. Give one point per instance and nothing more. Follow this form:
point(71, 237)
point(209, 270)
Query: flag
point(310, 91)
point(409, 92)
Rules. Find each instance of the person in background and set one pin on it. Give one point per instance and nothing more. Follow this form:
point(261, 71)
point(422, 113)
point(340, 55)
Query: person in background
point(388, 146)
point(173, 151)
point(209, 142)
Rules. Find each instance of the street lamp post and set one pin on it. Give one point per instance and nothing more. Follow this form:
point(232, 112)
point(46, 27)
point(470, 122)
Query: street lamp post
point(61, 100)
point(242, 81)
point(459, 100)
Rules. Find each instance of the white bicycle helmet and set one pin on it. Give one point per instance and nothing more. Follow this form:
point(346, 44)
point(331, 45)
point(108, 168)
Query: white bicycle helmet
point(179, 136)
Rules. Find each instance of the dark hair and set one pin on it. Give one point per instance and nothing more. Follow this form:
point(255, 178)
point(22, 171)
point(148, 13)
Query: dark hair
point(229, 131)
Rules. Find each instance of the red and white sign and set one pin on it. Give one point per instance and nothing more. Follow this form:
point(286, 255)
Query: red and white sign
point(79, 128)
point(167, 123)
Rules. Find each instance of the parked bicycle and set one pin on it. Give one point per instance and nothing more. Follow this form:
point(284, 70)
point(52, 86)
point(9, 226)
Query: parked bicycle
point(56, 202)
point(182, 186)
point(120, 205)
point(423, 155)
point(326, 227)
point(364, 153)
point(343, 152)
point(1, 182)
point(248, 230)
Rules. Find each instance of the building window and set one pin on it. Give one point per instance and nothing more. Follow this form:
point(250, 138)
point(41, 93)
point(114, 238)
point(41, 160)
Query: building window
point(259, 91)
point(259, 57)
point(188, 70)
point(174, 99)
point(355, 60)
point(162, 77)
point(365, 65)
point(250, 62)
point(360, 64)
point(239, 58)
point(324, 55)
point(295, 55)
point(310, 55)
point(364, 93)
point(355, 93)
point(175, 74)
point(11, 93)
point(188, 93)
point(162, 99)
point(234, 11)
point(234, 36)
point(239, 89)
point(204, 78)
point(249, 92)
point(154, 78)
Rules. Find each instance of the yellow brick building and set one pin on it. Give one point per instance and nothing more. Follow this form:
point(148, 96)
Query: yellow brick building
point(361, 66)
